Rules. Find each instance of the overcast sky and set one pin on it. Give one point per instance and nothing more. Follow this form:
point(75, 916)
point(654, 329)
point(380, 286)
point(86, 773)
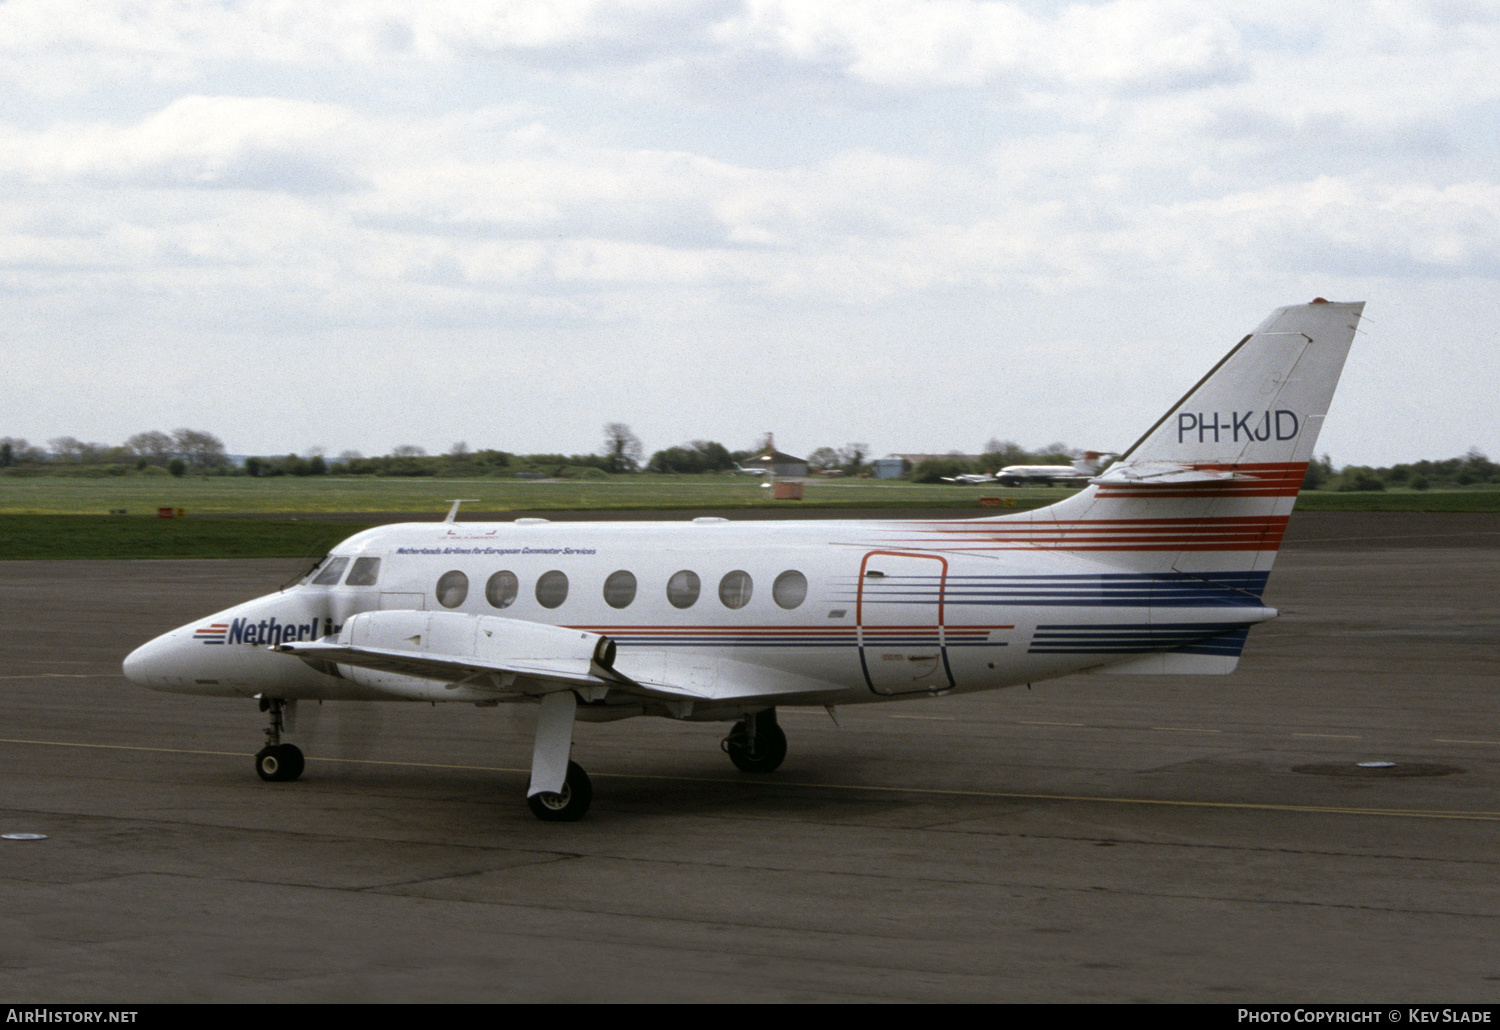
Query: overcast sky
point(920, 225)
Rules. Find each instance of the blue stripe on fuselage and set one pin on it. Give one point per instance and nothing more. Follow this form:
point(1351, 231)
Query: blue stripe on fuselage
point(1115, 590)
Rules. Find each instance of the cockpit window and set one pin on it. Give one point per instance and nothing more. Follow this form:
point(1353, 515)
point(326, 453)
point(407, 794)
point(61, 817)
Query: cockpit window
point(364, 574)
point(331, 572)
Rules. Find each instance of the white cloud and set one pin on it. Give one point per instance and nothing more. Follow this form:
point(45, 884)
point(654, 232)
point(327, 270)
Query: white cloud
point(963, 42)
point(195, 141)
point(54, 46)
point(849, 188)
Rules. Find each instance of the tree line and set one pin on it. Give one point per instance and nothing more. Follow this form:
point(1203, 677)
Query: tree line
point(197, 451)
point(1470, 470)
point(177, 452)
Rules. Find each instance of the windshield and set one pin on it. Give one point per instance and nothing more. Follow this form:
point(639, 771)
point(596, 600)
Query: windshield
point(331, 572)
point(364, 573)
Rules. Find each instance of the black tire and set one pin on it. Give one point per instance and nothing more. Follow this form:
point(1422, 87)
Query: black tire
point(568, 806)
point(770, 745)
point(279, 764)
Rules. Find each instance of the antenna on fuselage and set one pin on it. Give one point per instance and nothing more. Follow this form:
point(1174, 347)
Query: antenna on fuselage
point(453, 511)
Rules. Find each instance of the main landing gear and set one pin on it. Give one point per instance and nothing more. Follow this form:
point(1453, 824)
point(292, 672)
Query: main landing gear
point(278, 762)
point(756, 744)
point(568, 804)
point(559, 791)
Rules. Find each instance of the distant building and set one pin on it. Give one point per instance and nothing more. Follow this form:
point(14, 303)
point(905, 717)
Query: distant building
point(777, 463)
point(893, 467)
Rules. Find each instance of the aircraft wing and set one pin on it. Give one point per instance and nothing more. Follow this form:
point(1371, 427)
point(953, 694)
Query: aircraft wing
point(710, 678)
point(515, 655)
point(448, 668)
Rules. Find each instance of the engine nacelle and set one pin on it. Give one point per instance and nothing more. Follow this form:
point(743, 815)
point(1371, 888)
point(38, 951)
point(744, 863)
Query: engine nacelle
point(485, 640)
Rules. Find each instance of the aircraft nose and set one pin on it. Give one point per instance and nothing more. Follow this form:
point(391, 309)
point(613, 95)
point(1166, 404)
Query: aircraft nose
point(150, 664)
point(137, 665)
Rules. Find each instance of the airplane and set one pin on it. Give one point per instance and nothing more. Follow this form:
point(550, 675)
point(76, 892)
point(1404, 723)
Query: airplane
point(750, 472)
point(1157, 566)
point(1080, 472)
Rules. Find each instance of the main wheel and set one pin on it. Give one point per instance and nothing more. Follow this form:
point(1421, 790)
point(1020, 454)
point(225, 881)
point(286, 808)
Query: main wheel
point(279, 763)
point(770, 746)
point(569, 804)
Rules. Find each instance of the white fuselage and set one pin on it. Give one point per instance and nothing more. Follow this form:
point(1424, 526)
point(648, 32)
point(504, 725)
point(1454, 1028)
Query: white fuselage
point(890, 610)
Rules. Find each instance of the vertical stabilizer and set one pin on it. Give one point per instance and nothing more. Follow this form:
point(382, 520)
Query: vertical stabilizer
point(1209, 488)
point(1264, 402)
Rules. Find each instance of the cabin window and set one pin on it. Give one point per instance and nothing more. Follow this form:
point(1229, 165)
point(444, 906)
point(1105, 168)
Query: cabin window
point(551, 589)
point(452, 588)
point(619, 589)
point(735, 589)
point(501, 589)
point(683, 589)
point(790, 589)
point(364, 574)
point(331, 572)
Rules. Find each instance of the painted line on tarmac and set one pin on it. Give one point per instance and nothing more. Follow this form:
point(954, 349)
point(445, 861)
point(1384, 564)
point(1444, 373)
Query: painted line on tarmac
point(248, 754)
point(1330, 736)
point(1246, 806)
point(128, 747)
point(60, 676)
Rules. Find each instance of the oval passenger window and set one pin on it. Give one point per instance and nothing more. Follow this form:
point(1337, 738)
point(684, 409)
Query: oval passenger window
point(619, 589)
point(735, 588)
point(790, 589)
point(683, 589)
point(501, 589)
point(452, 588)
point(551, 589)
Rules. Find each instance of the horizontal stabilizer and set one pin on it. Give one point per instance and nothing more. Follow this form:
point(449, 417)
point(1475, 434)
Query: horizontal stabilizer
point(1161, 473)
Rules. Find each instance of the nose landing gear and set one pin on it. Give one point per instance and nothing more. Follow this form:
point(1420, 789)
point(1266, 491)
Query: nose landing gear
point(756, 744)
point(278, 762)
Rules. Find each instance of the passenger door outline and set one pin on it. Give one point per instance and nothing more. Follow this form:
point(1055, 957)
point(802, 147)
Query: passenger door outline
point(923, 633)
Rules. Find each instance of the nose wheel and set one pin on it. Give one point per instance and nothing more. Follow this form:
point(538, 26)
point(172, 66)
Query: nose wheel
point(756, 744)
point(278, 762)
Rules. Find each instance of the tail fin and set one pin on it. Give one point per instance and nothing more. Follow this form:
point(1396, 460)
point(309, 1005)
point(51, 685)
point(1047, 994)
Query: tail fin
point(1209, 488)
point(1264, 402)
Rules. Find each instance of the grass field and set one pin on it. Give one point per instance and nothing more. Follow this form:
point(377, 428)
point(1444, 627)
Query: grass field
point(112, 536)
point(56, 517)
point(288, 495)
point(1401, 500)
point(242, 495)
